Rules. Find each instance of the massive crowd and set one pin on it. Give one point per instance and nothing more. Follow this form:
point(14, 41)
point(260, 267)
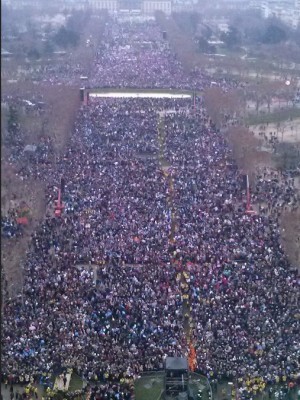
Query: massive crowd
point(134, 55)
point(102, 292)
point(242, 292)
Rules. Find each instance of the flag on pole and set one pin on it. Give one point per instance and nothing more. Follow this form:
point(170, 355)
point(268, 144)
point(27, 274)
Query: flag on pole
point(246, 185)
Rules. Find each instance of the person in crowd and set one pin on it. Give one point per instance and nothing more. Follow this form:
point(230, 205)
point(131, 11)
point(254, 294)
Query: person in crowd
point(101, 289)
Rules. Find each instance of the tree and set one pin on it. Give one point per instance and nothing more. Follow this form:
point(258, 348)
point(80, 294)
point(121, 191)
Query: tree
point(232, 38)
point(206, 32)
point(255, 94)
point(48, 47)
point(214, 101)
point(287, 93)
point(77, 21)
point(244, 146)
point(12, 119)
point(274, 34)
point(251, 24)
point(65, 38)
point(187, 21)
point(12, 134)
point(269, 90)
point(194, 21)
point(33, 54)
point(205, 47)
point(182, 44)
point(296, 36)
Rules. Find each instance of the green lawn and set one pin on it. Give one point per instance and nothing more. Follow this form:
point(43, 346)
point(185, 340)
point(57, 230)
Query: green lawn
point(149, 388)
point(75, 383)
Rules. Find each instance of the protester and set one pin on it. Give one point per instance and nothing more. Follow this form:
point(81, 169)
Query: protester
point(101, 289)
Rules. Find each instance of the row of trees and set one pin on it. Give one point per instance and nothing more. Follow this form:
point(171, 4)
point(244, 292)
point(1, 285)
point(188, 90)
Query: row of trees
point(66, 36)
point(271, 34)
point(246, 28)
point(35, 42)
point(63, 39)
point(254, 28)
point(234, 103)
point(180, 41)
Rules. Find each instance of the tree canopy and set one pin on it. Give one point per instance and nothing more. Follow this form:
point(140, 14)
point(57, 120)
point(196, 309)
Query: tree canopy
point(274, 34)
point(232, 38)
point(66, 37)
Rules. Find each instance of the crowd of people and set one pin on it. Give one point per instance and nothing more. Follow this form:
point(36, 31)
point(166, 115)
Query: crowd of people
point(242, 291)
point(102, 292)
point(128, 54)
point(139, 55)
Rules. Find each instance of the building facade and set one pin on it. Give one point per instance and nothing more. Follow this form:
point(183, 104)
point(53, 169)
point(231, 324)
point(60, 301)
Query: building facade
point(150, 6)
point(146, 7)
point(287, 11)
point(109, 5)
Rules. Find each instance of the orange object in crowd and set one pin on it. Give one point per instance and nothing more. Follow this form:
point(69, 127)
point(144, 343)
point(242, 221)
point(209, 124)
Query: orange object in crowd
point(192, 358)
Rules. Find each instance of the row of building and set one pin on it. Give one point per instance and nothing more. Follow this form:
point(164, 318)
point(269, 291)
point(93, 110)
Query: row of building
point(287, 11)
point(146, 7)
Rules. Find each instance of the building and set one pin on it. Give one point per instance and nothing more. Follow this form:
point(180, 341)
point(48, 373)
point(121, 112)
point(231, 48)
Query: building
point(109, 5)
point(150, 6)
point(146, 7)
point(287, 11)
